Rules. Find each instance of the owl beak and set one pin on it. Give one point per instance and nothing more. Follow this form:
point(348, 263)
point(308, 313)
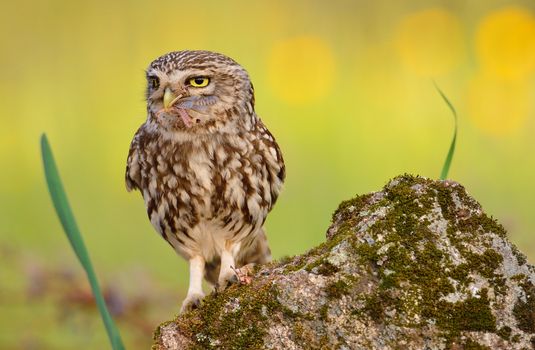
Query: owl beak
point(169, 98)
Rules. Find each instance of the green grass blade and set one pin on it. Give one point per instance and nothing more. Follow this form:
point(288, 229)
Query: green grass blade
point(59, 198)
point(451, 151)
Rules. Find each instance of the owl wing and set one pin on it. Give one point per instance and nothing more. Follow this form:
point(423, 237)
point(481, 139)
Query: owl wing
point(277, 169)
point(133, 167)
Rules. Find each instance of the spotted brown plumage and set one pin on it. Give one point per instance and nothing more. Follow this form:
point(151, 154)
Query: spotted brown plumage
point(207, 167)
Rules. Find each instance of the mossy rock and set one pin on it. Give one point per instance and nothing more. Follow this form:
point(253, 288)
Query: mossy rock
point(417, 265)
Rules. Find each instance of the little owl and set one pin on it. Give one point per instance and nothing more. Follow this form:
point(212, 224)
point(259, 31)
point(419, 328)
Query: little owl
point(207, 167)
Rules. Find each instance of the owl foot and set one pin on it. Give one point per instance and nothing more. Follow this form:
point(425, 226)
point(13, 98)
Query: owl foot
point(226, 280)
point(192, 302)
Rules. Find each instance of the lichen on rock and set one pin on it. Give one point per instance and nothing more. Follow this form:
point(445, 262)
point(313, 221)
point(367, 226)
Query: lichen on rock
point(417, 265)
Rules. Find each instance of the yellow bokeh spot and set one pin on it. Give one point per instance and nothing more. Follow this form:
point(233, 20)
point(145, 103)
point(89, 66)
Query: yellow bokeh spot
point(301, 69)
point(430, 42)
point(505, 43)
point(498, 106)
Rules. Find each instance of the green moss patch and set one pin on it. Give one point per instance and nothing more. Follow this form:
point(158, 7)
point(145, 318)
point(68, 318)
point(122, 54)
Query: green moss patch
point(470, 344)
point(221, 321)
point(337, 289)
point(415, 264)
point(472, 314)
point(524, 311)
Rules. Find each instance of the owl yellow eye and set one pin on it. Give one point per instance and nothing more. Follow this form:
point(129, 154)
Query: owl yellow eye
point(199, 81)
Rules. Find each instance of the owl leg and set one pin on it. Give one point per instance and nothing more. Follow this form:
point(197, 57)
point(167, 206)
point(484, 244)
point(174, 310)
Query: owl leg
point(226, 271)
point(257, 252)
point(195, 292)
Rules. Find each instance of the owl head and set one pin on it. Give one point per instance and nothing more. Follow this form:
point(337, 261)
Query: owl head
point(199, 92)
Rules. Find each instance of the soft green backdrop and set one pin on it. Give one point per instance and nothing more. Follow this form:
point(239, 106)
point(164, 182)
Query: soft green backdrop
point(345, 86)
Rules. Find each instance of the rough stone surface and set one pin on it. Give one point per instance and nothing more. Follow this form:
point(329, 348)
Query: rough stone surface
point(417, 265)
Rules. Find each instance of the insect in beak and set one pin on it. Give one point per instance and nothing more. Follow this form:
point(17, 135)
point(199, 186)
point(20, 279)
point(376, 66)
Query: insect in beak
point(169, 98)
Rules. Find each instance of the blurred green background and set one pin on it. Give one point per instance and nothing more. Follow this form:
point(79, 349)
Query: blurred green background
point(345, 86)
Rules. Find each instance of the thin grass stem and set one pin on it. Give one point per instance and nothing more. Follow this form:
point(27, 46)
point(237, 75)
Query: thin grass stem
point(66, 217)
point(451, 151)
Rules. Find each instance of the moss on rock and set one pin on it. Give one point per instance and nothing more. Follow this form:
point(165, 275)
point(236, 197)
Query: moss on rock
point(524, 310)
point(416, 265)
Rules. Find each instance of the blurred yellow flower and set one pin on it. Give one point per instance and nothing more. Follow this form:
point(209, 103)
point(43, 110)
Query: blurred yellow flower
point(505, 43)
point(301, 69)
point(430, 42)
point(497, 106)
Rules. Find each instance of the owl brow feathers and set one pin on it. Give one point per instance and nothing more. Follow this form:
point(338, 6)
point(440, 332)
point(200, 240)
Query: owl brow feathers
point(190, 58)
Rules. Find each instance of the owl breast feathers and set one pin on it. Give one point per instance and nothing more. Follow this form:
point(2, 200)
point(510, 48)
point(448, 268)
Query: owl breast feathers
point(207, 167)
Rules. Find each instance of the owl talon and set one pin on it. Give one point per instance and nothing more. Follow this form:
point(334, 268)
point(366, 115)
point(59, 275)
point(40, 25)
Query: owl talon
point(191, 302)
point(225, 283)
